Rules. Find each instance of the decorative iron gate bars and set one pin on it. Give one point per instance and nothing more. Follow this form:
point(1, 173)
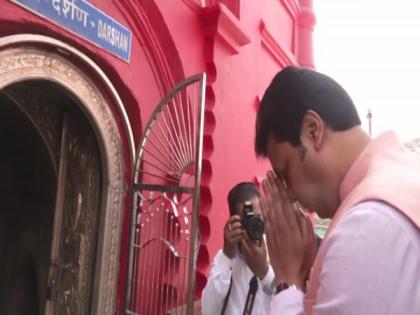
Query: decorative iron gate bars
point(166, 191)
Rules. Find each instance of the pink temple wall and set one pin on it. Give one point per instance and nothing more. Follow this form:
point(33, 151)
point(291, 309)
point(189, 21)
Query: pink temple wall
point(240, 44)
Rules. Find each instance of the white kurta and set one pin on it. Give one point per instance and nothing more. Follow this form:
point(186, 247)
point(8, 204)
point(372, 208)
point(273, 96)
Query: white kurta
point(218, 285)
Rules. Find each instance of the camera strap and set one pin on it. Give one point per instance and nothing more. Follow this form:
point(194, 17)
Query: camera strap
point(250, 298)
point(225, 302)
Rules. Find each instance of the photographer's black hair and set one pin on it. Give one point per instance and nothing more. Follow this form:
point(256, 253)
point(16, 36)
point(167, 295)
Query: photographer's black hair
point(290, 95)
point(240, 193)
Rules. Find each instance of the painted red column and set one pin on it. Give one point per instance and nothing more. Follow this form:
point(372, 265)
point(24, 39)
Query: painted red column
point(306, 22)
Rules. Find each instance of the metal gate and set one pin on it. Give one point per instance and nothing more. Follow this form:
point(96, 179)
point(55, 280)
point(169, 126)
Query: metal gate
point(166, 191)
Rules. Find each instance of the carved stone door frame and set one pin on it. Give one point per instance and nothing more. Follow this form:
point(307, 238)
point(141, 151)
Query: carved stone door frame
point(26, 57)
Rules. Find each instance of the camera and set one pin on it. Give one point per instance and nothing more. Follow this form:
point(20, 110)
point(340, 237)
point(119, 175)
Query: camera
point(252, 222)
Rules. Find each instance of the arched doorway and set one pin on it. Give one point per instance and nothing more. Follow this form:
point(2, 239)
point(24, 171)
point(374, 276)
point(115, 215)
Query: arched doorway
point(50, 224)
point(27, 191)
point(65, 155)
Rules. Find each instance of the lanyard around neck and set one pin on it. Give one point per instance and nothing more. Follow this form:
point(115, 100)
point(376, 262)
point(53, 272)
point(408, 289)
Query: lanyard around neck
point(250, 298)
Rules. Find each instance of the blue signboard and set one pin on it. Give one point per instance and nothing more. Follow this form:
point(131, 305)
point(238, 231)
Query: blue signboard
point(85, 20)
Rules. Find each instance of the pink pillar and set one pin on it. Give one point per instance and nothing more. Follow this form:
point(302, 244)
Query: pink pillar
point(306, 22)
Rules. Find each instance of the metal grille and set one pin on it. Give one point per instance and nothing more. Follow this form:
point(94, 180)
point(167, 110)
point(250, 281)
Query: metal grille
point(164, 233)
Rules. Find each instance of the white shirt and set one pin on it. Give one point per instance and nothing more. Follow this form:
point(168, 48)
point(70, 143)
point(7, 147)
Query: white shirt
point(371, 266)
point(218, 285)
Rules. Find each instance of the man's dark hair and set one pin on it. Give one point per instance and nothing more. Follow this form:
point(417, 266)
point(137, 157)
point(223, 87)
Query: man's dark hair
point(290, 95)
point(240, 193)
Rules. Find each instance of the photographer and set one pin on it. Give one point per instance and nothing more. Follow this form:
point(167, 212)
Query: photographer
point(240, 277)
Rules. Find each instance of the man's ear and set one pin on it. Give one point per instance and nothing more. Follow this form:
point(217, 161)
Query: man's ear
point(312, 129)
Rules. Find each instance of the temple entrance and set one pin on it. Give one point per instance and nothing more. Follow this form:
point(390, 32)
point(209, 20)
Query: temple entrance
point(67, 150)
point(51, 195)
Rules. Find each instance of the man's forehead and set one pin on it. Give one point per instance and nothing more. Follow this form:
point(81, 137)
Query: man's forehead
point(273, 144)
point(276, 151)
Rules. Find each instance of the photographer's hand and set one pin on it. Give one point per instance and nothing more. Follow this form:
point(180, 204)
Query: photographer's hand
point(233, 233)
point(255, 255)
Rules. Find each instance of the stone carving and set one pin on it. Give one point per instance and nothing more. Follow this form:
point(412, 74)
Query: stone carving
point(80, 215)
